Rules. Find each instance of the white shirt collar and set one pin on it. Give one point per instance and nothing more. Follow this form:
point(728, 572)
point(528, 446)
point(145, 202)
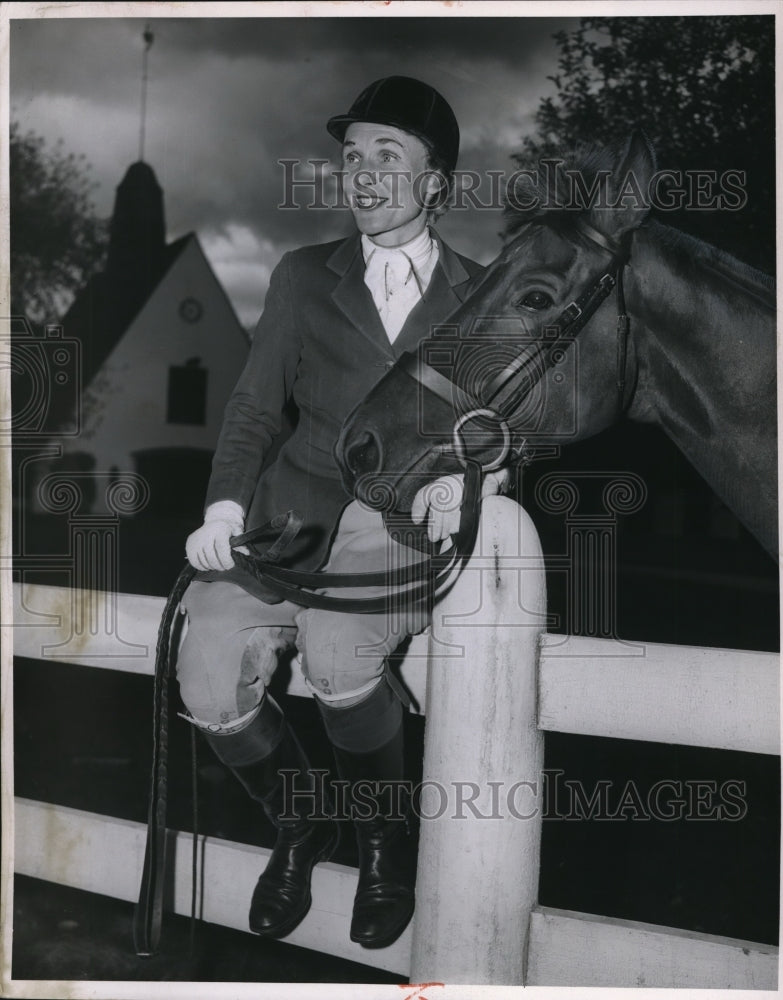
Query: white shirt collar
point(417, 250)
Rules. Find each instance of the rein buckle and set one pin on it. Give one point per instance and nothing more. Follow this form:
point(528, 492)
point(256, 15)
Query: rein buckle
point(458, 441)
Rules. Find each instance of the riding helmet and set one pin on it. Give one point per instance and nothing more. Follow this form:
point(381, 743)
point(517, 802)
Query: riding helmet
point(409, 105)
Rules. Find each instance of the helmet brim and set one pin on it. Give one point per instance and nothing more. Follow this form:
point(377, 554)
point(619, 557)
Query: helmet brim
point(338, 126)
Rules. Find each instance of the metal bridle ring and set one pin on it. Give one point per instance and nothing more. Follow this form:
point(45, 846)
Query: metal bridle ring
point(459, 445)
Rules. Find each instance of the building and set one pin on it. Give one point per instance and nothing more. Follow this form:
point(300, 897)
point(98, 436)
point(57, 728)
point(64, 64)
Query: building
point(161, 349)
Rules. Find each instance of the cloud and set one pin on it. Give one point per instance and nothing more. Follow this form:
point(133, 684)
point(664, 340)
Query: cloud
point(243, 263)
point(229, 98)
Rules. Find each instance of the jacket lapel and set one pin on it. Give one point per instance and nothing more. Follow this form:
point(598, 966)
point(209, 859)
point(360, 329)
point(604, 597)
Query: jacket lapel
point(447, 288)
point(353, 297)
point(444, 294)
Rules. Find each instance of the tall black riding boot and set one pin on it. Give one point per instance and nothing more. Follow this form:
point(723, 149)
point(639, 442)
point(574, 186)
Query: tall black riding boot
point(293, 800)
point(380, 809)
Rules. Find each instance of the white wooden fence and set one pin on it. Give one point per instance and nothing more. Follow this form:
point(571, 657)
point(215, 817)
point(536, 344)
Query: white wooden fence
point(489, 692)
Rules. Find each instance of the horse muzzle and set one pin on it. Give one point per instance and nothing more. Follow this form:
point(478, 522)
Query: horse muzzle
point(360, 457)
point(359, 454)
point(377, 473)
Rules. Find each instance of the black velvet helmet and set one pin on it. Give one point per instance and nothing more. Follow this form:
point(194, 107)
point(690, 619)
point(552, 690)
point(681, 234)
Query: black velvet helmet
point(410, 105)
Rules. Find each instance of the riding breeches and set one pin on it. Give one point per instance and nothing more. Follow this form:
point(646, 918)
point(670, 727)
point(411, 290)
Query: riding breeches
point(234, 639)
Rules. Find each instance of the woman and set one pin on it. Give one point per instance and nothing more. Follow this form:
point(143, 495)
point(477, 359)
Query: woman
point(336, 316)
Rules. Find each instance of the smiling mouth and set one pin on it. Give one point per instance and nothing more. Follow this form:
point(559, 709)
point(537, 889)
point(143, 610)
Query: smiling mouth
point(367, 201)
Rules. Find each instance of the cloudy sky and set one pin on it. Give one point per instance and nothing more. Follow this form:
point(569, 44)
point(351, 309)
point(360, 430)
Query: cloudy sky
point(230, 97)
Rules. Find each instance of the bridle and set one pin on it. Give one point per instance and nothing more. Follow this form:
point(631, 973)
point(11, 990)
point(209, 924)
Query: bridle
point(501, 397)
point(424, 580)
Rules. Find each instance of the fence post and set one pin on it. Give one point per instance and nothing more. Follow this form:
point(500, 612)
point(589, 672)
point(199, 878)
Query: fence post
point(483, 756)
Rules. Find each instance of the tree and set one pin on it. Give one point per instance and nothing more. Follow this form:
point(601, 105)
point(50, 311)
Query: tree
point(702, 89)
point(57, 241)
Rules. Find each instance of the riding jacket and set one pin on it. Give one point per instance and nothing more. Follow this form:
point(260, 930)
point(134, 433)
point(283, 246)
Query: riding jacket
point(320, 342)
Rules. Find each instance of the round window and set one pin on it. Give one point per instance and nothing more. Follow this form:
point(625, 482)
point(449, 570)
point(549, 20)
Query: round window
point(191, 310)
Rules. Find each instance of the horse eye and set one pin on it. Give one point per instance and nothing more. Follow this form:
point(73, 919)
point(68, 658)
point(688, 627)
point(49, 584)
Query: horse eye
point(536, 300)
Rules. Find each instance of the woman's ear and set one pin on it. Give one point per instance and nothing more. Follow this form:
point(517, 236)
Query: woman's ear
point(435, 190)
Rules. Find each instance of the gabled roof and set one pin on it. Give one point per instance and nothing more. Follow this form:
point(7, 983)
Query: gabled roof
point(137, 262)
point(108, 304)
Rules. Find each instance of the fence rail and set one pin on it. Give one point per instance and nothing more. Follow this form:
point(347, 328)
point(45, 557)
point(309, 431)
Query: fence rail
point(566, 948)
point(477, 919)
point(710, 697)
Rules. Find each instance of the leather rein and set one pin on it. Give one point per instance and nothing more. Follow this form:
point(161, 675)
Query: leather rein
point(424, 580)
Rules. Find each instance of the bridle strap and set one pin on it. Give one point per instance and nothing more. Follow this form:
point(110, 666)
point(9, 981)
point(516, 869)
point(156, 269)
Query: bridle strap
point(595, 236)
point(623, 330)
point(430, 378)
point(542, 355)
point(569, 322)
point(620, 252)
point(504, 391)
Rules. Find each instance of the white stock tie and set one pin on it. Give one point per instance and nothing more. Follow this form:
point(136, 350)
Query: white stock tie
point(396, 277)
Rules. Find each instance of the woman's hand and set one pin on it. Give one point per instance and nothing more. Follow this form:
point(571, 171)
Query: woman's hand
point(442, 499)
point(209, 547)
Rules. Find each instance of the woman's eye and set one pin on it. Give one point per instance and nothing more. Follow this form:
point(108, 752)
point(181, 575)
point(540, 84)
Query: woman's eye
point(388, 157)
point(350, 158)
point(536, 300)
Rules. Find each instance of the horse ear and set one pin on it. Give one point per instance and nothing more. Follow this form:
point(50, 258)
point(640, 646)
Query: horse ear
point(627, 201)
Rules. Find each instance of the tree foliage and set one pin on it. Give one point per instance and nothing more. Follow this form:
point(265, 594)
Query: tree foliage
point(701, 88)
point(57, 241)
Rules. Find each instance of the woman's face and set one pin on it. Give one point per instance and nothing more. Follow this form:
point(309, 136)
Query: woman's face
point(387, 182)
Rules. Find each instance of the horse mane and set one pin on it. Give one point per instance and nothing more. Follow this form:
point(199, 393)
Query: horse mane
point(548, 192)
point(720, 262)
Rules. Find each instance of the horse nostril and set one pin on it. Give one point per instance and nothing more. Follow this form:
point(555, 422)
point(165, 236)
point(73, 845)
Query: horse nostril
point(364, 455)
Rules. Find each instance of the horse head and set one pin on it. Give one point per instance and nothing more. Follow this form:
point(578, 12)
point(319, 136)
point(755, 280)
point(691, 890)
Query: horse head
point(541, 352)
point(519, 364)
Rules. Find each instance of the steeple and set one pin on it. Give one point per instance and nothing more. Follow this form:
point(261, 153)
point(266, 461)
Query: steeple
point(137, 236)
point(148, 40)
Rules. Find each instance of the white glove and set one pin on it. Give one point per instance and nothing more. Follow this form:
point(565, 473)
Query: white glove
point(442, 498)
point(209, 547)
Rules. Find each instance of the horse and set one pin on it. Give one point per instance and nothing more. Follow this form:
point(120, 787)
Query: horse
point(540, 354)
